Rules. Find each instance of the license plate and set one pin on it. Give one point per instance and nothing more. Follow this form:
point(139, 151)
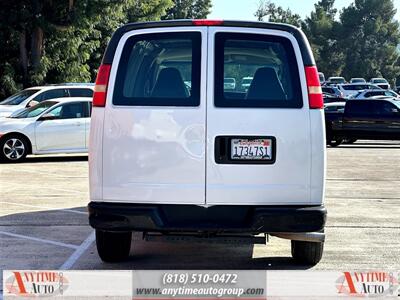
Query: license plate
point(251, 149)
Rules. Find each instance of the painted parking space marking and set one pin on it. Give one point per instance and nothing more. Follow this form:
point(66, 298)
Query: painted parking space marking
point(78, 252)
point(44, 207)
point(39, 240)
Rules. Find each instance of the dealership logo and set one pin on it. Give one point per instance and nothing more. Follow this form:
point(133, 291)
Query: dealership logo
point(36, 283)
point(367, 284)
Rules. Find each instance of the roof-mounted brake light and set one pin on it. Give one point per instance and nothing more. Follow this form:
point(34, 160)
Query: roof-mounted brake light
point(205, 22)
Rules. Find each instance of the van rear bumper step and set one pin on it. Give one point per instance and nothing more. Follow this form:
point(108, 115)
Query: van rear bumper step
point(215, 219)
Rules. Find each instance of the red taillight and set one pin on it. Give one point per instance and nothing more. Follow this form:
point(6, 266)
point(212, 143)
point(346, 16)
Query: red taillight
point(315, 98)
point(100, 89)
point(205, 22)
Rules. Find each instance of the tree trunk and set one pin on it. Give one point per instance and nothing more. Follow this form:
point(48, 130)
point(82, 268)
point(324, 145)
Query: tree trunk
point(23, 55)
point(36, 47)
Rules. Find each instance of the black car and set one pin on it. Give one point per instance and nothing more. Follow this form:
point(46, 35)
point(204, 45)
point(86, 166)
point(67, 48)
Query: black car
point(364, 119)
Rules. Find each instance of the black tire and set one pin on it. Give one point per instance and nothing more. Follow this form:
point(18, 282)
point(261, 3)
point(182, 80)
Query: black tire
point(113, 246)
point(335, 142)
point(14, 148)
point(349, 141)
point(309, 253)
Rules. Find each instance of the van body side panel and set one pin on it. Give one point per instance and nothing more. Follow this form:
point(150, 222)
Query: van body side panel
point(284, 182)
point(155, 154)
point(318, 155)
point(96, 154)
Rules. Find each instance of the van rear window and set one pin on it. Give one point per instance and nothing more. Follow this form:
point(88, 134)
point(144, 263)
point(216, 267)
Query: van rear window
point(264, 68)
point(160, 69)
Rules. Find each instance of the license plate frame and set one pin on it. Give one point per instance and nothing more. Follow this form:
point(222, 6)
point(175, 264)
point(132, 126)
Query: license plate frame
point(223, 150)
point(251, 149)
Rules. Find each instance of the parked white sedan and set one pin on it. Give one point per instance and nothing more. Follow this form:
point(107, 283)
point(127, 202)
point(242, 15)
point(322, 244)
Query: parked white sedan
point(34, 95)
point(54, 126)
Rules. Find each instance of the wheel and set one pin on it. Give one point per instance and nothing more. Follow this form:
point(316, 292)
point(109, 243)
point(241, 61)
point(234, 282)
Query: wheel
point(335, 142)
point(13, 148)
point(113, 246)
point(309, 253)
point(349, 141)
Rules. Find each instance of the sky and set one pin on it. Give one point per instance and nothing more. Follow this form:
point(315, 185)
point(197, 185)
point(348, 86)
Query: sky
point(244, 9)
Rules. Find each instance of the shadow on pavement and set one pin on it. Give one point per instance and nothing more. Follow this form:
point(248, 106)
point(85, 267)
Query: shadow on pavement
point(62, 225)
point(356, 146)
point(364, 144)
point(53, 159)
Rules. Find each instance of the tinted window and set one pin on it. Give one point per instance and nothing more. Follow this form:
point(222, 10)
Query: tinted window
point(337, 80)
point(160, 69)
point(18, 97)
point(334, 108)
point(359, 107)
point(69, 111)
point(51, 94)
point(80, 92)
point(390, 93)
point(35, 110)
point(385, 108)
point(379, 81)
point(269, 62)
point(355, 87)
point(377, 93)
point(328, 90)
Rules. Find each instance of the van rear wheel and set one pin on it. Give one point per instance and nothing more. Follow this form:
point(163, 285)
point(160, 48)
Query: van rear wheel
point(309, 253)
point(113, 246)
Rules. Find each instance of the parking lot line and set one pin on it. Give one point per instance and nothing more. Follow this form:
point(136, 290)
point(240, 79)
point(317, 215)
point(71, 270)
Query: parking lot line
point(78, 252)
point(39, 240)
point(44, 207)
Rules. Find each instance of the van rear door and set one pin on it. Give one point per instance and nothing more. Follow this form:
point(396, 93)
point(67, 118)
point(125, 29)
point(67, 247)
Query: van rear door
point(154, 122)
point(258, 138)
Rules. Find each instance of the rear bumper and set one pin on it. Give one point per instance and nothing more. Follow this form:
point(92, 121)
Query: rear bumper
point(214, 219)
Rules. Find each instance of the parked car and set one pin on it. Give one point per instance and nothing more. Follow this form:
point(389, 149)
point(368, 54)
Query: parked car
point(34, 95)
point(351, 89)
point(148, 166)
point(381, 82)
point(332, 90)
point(246, 81)
point(321, 77)
point(335, 80)
point(229, 83)
point(52, 126)
point(367, 119)
point(376, 93)
point(358, 80)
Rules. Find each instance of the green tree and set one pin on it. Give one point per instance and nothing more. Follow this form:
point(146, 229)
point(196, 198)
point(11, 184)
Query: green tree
point(323, 32)
point(370, 35)
point(268, 11)
point(189, 9)
point(50, 41)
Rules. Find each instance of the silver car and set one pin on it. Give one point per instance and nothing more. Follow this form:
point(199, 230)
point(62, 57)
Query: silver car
point(376, 93)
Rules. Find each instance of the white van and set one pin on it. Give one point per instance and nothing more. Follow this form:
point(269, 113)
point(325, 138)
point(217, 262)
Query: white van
point(202, 161)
